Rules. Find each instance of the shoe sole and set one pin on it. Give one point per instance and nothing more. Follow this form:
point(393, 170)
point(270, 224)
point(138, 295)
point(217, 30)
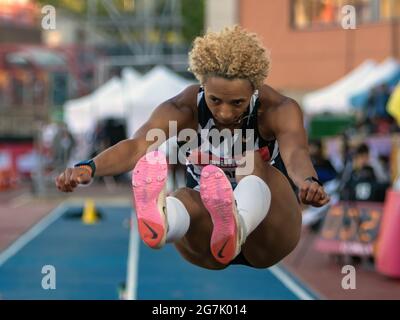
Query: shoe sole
point(217, 195)
point(148, 184)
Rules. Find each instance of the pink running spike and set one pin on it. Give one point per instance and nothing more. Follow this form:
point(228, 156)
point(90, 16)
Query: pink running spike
point(149, 181)
point(219, 200)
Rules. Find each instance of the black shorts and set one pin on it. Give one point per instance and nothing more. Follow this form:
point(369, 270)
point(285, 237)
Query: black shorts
point(240, 259)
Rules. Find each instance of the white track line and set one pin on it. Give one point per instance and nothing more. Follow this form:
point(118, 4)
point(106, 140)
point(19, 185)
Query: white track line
point(20, 200)
point(31, 233)
point(133, 257)
point(290, 284)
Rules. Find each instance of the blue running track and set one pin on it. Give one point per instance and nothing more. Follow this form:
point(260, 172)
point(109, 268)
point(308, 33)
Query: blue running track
point(91, 263)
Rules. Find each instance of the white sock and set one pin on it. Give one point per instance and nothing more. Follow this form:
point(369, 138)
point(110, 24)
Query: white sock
point(253, 199)
point(178, 219)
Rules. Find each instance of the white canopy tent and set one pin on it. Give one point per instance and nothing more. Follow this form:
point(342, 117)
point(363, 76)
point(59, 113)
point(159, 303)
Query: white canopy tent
point(78, 115)
point(109, 100)
point(158, 85)
point(133, 98)
point(335, 97)
point(388, 72)
point(130, 75)
point(353, 89)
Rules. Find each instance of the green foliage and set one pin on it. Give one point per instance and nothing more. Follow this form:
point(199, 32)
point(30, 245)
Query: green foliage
point(76, 6)
point(193, 18)
point(192, 12)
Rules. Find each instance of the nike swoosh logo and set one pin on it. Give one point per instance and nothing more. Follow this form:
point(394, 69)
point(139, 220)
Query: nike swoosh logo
point(154, 234)
point(221, 250)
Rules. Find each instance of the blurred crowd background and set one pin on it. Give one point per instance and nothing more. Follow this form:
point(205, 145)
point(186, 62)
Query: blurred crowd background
point(68, 93)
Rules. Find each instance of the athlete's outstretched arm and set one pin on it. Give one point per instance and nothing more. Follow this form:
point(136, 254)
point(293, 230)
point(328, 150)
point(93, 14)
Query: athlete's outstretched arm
point(123, 156)
point(293, 145)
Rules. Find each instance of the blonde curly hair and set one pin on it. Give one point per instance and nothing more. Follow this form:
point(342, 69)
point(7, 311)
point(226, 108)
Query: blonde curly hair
point(231, 53)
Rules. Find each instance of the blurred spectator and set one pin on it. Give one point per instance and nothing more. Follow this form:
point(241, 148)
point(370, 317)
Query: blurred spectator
point(347, 155)
point(381, 168)
point(376, 115)
point(99, 139)
point(63, 145)
point(107, 133)
point(323, 166)
point(361, 184)
point(115, 131)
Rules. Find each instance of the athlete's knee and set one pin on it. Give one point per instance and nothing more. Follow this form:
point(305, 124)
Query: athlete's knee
point(252, 163)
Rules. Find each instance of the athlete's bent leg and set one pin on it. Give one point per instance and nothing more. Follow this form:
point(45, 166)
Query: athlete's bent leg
point(195, 245)
point(279, 232)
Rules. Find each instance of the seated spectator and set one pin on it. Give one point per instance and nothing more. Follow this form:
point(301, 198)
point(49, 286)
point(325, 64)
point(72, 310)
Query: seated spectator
point(376, 114)
point(361, 184)
point(323, 166)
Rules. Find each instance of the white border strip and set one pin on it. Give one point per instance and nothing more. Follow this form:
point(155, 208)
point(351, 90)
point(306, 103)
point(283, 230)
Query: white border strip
point(289, 283)
point(133, 258)
point(32, 233)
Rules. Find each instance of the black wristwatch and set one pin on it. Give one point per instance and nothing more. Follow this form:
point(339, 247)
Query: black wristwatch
point(89, 163)
point(313, 179)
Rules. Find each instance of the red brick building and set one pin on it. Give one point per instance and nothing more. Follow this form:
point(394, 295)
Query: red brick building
point(309, 47)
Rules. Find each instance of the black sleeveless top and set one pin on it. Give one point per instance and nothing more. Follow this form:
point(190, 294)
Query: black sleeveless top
point(223, 153)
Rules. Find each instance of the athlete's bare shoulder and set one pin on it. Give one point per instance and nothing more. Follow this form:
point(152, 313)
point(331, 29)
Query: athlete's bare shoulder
point(181, 108)
point(270, 98)
point(276, 111)
point(186, 101)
